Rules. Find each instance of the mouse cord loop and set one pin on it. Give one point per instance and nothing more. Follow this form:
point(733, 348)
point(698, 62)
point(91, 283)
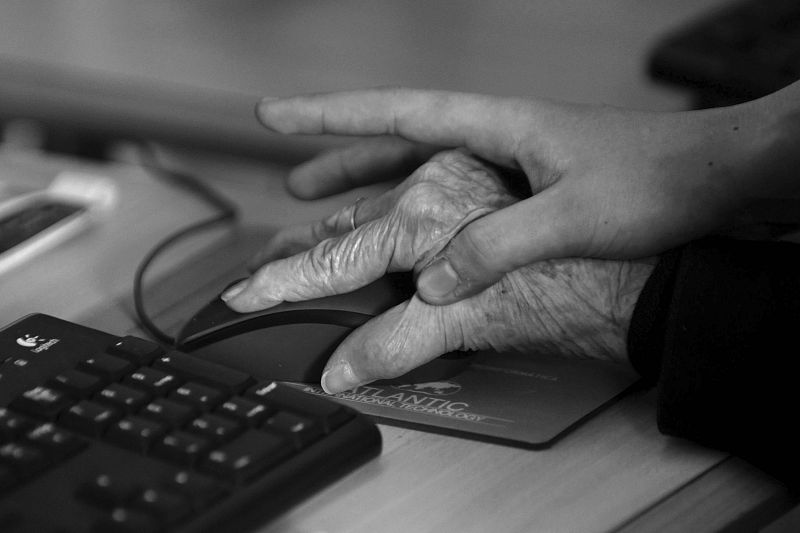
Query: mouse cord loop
point(225, 213)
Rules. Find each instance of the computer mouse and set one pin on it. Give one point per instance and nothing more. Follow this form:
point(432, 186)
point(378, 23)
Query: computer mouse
point(293, 340)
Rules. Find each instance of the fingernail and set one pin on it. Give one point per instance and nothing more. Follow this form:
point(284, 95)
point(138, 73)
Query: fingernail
point(438, 280)
point(339, 378)
point(233, 291)
point(265, 100)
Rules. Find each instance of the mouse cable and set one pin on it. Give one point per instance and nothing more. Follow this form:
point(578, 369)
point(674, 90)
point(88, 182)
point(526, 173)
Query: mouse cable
point(226, 213)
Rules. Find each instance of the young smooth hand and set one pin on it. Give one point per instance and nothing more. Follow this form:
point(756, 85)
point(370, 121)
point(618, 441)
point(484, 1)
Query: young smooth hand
point(604, 182)
point(574, 307)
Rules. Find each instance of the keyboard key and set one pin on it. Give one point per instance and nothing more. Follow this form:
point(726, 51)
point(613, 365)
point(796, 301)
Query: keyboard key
point(44, 402)
point(108, 491)
point(171, 413)
point(55, 442)
point(138, 351)
point(107, 366)
point(182, 447)
point(248, 455)
point(215, 427)
point(194, 369)
point(168, 506)
point(199, 489)
point(13, 425)
point(201, 397)
point(23, 459)
point(247, 411)
point(156, 382)
point(136, 433)
point(331, 414)
point(123, 520)
point(301, 430)
point(77, 384)
point(90, 418)
point(124, 398)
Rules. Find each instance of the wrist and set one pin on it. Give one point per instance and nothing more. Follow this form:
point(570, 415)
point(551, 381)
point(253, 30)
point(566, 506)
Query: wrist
point(762, 136)
point(583, 308)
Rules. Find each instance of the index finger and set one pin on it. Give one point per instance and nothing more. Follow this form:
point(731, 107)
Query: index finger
point(489, 126)
point(334, 266)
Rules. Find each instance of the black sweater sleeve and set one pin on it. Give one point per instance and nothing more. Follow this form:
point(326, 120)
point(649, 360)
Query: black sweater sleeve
point(715, 329)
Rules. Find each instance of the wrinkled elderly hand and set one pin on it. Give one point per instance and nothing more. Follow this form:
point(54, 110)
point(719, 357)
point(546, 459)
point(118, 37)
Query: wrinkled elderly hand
point(607, 182)
point(577, 308)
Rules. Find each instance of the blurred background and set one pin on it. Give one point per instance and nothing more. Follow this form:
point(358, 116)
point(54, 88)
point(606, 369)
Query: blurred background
point(190, 71)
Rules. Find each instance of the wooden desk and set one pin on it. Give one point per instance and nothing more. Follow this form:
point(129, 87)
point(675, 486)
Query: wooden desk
point(613, 473)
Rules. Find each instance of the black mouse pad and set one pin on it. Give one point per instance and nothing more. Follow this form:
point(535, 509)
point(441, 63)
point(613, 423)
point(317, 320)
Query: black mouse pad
point(520, 399)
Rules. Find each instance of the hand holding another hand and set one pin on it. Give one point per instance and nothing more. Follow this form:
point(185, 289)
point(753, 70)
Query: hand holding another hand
point(573, 307)
point(603, 182)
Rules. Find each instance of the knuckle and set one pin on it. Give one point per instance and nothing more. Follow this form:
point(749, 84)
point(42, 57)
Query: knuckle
point(448, 159)
point(460, 174)
point(431, 170)
point(320, 261)
point(333, 264)
point(415, 196)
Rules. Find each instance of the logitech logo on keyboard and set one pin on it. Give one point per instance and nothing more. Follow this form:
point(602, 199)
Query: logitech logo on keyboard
point(35, 343)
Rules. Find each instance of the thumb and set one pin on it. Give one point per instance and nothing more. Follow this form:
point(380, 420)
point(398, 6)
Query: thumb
point(387, 346)
point(545, 226)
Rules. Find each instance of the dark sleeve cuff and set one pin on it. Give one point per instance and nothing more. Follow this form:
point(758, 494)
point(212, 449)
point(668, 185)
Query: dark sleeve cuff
point(649, 318)
point(714, 328)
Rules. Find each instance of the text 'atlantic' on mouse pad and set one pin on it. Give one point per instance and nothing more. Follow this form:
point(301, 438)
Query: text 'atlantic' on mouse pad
point(518, 399)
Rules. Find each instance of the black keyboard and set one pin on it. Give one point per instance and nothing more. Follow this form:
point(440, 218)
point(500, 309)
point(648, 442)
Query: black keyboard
point(100, 433)
point(741, 51)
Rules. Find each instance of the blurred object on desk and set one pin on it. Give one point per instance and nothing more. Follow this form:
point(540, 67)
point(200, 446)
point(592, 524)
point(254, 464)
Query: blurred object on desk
point(35, 221)
point(745, 50)
point(190, 72)
point(84, 112)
